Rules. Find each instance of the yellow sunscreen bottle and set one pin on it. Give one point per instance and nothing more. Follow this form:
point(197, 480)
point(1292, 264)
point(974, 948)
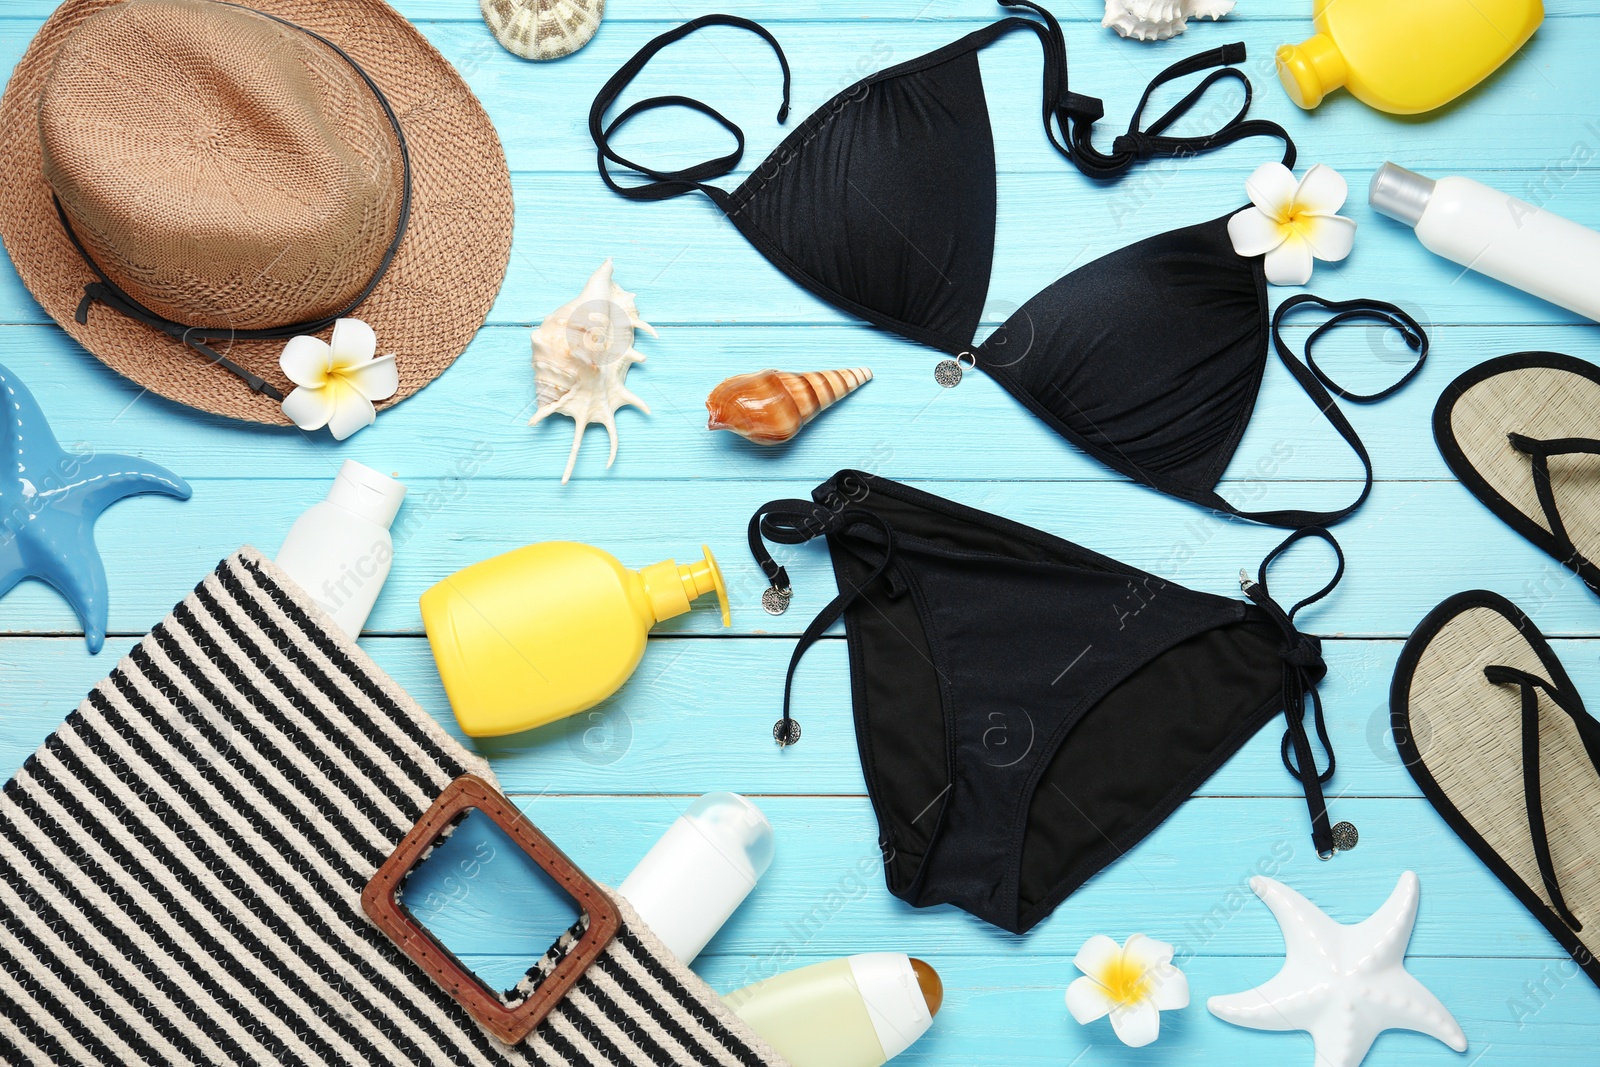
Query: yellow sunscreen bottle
point(1405, 56)
point(546, 631)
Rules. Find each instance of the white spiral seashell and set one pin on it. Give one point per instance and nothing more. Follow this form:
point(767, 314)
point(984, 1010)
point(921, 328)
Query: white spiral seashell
point(1159, 20)
point(581, 355)
point(543, 29)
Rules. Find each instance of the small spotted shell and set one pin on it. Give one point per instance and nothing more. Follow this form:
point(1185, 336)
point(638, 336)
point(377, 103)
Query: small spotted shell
point(543, 29)
point(771, 406)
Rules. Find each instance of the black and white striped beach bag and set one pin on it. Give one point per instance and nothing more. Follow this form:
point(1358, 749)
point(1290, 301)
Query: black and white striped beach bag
point(181, 868)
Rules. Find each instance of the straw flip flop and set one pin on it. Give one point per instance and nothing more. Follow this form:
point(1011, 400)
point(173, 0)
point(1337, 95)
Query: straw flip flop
point(1490, 726)
point(1522, 432)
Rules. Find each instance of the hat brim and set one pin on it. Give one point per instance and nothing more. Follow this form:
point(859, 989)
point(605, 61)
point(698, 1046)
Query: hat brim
point(436, 293)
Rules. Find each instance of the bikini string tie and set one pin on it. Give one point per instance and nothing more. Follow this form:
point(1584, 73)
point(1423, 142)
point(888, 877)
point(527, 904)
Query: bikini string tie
point(794, 522)
point(1321, 388)
point(665, 184)
point(1069, 117)
point(1303, 668)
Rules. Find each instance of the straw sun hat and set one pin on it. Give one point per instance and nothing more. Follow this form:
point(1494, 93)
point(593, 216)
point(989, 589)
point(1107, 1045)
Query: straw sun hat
point(222, 178)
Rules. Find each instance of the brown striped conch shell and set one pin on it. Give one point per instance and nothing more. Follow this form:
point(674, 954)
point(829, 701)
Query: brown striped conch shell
point(543, 29)
point(770, 406)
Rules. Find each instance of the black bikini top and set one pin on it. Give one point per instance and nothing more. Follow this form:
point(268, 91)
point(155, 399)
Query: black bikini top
point(883, 203)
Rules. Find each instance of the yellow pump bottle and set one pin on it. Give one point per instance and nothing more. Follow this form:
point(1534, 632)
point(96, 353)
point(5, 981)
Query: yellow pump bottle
point(549, 630)
point(1405, 56)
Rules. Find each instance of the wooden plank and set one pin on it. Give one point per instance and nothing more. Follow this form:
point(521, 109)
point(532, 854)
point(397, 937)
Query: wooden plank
point(1529, 99)
point(1187, 883)
point(1006, 1008)
point(695, 268)
point(1413, 544)
point(901, 421)
point(695, 716)
point(835, 11)
point(651, 737)
point(541, 110)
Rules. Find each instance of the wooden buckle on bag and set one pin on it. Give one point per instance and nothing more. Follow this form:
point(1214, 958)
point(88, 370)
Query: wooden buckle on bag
point(381, 901)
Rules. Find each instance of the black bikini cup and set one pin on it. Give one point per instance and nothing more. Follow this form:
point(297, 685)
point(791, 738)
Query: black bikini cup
point(907, 241)
point(1165, 396)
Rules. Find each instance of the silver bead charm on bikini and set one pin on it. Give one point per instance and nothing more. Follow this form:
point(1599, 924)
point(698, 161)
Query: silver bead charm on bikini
point(949, 372)
point(1345, 836)
point(775, 600)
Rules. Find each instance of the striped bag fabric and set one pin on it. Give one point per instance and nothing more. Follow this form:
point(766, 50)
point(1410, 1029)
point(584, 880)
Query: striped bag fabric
point(181, 867)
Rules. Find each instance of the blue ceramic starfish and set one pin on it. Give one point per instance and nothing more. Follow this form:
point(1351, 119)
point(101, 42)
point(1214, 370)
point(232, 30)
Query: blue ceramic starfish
point(49, 501)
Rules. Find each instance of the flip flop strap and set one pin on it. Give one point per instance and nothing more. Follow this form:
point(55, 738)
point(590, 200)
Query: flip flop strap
point(1540, 451)
point(1533, 796)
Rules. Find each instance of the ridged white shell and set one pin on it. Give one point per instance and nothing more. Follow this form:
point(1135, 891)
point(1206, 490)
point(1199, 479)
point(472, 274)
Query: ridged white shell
point(581, 355)
point(1158, 20)
point(543, 29)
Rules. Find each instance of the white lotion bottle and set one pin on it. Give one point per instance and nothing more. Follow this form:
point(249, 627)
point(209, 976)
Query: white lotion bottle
point(340, 550)
point(1485, 230)
point(860, 1011)
point(700, 871)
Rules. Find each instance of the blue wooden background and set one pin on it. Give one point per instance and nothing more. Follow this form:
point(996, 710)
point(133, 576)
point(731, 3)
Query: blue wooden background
point(697, 715)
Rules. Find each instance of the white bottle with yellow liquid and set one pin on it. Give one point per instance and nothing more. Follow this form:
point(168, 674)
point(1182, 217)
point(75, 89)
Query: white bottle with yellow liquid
point(860, 1011)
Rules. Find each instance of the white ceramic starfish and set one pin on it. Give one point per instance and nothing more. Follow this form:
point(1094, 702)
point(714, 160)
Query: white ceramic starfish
point(1342, 984)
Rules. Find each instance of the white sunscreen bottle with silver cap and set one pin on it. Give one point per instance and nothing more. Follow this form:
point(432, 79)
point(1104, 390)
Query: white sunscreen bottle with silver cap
point(700, 871)
point(340, 550)
point(1492, 233)
point(860, 1011)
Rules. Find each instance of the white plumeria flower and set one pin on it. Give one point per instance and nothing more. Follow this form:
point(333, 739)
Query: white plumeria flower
point(1133, 984)
point(1292, 223)
point(337, 380)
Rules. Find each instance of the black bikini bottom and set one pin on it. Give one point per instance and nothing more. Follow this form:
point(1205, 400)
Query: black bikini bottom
point(1028, 710)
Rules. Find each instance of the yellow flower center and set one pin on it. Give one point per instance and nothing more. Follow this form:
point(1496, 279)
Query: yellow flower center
point(1127, 982)
point(1293, 215)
